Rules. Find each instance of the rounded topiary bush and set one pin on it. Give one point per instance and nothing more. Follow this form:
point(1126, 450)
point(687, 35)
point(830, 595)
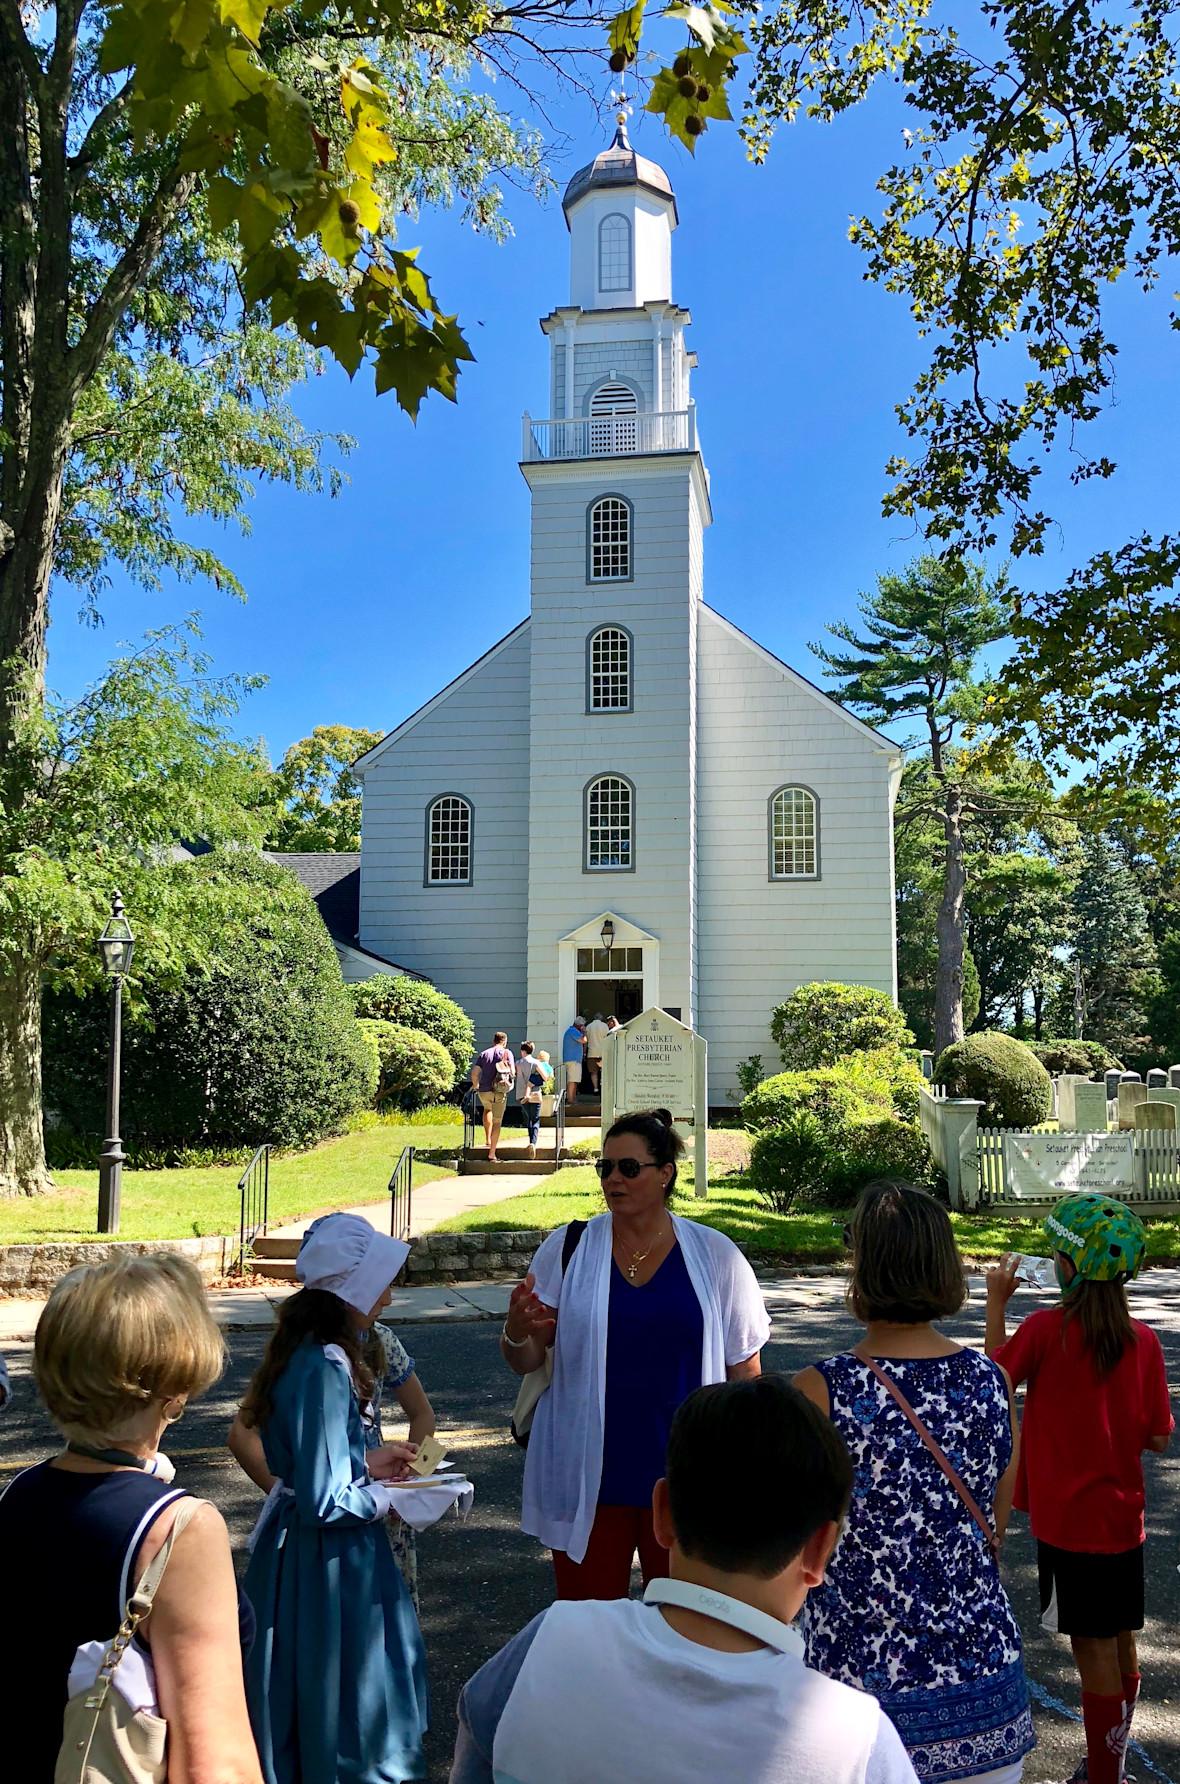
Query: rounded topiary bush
point(820, 1023)
point(882, 1148)
point(263, 1046)
point(1004, 1074)
point(412, 1003)
point(829, 1095)
point(415, 1068)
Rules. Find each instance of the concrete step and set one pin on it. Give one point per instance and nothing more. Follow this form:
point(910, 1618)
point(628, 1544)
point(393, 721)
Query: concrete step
point(518, 1154)
point(272, 1248)
point(581, 1121)
point(275, 1269)
point(505, 1167)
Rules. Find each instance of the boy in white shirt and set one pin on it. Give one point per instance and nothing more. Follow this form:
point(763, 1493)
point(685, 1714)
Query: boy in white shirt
point(703, 1679)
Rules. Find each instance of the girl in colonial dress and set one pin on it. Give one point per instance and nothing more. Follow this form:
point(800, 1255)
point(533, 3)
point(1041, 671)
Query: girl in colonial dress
point(337, 1677)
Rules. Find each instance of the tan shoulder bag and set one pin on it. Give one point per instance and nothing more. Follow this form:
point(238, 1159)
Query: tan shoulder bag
point(105, 1741)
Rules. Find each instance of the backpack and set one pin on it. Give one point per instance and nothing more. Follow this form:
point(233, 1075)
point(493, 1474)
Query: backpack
point(537, 1381)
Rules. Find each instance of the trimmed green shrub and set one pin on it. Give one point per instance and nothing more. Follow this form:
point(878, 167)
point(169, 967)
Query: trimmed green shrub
point(1005, 1075)
point(415, 1068)
point(1090, 1057)
point(829, 1094)
point(411, 1003)
point(789, 1161)
point(261, 1047)
point(822, 1022)
point(878, 1148)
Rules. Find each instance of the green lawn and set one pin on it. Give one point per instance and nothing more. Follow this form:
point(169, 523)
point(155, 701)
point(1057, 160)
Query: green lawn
point(806, 1236)
point(186, 1203)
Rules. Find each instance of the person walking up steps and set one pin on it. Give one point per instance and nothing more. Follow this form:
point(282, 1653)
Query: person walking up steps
point(493, 1076)
point(1097, 1398)
point(596, 1033)
point(573, 1049)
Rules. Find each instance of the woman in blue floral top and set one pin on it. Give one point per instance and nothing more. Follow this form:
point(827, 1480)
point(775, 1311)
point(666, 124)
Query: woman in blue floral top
point(912, 1608)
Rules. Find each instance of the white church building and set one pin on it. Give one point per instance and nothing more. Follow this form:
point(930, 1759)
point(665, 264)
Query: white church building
point(627, 802)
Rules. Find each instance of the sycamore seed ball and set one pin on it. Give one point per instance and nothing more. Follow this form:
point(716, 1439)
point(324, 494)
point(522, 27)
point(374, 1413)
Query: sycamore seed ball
point(688, 87)
point(681, 66)
point(694, 123)
point(349, 213)
point(618, 62)
point(702, 91)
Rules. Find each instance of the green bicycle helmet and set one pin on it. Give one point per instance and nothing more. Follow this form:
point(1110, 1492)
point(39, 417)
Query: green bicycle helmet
point(1101, 1237)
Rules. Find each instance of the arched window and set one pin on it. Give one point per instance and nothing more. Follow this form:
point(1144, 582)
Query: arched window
point(448, 841)
point(610, 824)
point(614, 253)
point(608, 540)
point(794, 834)
point(608, 670)
point(613, 427)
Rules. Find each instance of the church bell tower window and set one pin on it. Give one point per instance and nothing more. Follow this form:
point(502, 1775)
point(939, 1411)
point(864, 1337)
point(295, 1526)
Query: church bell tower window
point(614, 253)
point(609, 540)
point(608, 677)
point(610, 808)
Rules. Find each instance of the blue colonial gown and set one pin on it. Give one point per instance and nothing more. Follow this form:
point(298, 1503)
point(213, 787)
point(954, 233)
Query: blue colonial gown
point(337, 1676)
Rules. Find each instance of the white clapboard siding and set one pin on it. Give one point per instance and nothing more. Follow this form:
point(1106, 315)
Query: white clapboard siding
point(758, 939)
point(470, 940)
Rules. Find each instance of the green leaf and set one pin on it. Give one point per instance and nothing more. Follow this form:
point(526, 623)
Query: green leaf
point(625, 30)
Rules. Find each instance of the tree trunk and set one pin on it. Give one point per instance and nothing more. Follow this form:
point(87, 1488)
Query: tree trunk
point(948, 991)
point(1038, 998)
point(23, 1170)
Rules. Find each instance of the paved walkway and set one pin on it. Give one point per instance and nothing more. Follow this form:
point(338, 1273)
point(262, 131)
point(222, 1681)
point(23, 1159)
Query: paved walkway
point(433, 1202)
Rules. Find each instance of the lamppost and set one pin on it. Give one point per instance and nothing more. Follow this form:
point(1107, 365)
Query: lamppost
point(116, 945)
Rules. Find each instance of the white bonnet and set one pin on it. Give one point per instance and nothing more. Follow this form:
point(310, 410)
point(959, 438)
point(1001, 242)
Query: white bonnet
point(344, 1254)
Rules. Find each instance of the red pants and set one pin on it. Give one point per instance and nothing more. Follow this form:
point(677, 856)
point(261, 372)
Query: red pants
point(605, 1572)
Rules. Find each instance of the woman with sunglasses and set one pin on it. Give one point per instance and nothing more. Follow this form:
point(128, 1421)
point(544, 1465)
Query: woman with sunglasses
point(647, 1307)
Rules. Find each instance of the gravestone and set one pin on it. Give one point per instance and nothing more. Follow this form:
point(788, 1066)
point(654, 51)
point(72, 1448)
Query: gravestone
point(1174, 1076)
point(1169, 1096)
point(1130, 1078)
point(1091, 1110)
point(1154, 1117)
point(1157, 1078)
point(657, 1062)
point(1112, 1085)
point(1131, 1093)
point(1066, 1087)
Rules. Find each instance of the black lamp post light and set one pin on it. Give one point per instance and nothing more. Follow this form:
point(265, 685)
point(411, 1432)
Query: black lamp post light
point(116, 944)
point(607, 934)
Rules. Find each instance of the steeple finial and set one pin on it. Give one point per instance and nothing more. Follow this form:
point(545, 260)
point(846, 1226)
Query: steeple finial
point(620, 141)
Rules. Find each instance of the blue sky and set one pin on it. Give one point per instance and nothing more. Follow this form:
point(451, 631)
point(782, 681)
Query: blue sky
point(361, 608)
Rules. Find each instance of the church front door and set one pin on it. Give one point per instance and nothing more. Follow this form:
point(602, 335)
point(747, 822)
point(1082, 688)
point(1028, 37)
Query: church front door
point(620, 998)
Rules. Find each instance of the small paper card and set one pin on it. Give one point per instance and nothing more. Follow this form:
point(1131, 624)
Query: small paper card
point(430, 1454)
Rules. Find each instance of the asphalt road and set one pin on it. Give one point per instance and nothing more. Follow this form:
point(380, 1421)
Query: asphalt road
point(481, 1580)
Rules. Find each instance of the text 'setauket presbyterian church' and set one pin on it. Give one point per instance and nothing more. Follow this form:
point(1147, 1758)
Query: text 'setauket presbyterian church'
point(626, 760)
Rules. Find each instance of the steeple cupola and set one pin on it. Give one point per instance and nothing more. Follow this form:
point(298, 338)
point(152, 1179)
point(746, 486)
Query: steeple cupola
point(620, 211)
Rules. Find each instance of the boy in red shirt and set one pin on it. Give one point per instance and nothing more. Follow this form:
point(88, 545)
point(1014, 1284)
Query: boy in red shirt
point(1097, 1398)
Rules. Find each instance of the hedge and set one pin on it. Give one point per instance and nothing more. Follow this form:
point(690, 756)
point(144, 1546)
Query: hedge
point(413, 1004)
point(415, 1068)
point(1004, 1074)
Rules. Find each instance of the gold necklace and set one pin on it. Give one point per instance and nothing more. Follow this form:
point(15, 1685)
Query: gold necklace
point(637, 1257)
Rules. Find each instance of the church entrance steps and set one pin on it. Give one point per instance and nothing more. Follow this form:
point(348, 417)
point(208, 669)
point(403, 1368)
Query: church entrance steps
point(509, 1167)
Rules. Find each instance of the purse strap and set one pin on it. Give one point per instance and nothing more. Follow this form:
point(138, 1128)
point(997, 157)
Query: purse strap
point(140, 1602)
point(891, 1387)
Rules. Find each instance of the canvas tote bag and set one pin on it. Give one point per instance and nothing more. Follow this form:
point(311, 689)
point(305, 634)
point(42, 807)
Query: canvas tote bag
point(104, 1740)
point(538, 1381)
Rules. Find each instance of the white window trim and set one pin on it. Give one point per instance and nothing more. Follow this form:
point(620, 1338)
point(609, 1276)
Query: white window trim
point(782, 879)
point(427, 878)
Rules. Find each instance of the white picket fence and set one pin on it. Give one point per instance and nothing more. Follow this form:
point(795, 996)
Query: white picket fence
point(1157, 1168)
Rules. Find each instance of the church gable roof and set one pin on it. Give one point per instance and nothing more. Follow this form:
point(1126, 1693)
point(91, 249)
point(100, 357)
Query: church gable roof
point(876, 738)
point(366, 761)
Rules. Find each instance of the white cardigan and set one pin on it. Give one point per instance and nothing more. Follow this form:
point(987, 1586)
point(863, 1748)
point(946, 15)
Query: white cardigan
point(563, 1466)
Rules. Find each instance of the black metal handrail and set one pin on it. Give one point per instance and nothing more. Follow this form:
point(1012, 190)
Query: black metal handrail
point(472, 1123)
point(254, 1203)
point(401, 1189)
point(558, 1126)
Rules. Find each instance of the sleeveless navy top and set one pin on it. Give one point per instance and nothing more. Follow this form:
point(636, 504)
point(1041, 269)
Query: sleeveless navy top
point(69, 1543)
point(654, 1339)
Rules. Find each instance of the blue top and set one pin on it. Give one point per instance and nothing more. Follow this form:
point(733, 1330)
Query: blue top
point(911, 1608)
point(70, 1543)
point(572, 1045)
point(337, 1680)
point(654, 1340)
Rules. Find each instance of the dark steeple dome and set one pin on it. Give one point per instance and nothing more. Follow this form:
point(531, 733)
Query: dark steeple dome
point(618, 166)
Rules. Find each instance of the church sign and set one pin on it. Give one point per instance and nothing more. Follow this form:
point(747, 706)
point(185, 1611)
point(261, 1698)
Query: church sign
point(1041, 1167)
point(656, 1062)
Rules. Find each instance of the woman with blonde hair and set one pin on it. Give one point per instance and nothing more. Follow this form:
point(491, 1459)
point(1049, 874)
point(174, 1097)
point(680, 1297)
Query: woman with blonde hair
point(120, 1349)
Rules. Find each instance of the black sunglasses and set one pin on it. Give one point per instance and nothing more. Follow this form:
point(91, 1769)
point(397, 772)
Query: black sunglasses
point(627, 1167)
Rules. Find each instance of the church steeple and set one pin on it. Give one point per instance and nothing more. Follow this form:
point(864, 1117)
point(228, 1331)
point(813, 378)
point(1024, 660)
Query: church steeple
point(620, 211)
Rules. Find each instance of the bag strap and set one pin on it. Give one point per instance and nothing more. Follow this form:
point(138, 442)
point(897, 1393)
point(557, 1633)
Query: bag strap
point(140, 1601)
point(573, 1238)
point(891, 1387)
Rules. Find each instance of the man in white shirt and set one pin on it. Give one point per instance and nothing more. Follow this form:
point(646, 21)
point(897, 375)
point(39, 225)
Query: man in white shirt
point(596, 1033)
point(703, 1679)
